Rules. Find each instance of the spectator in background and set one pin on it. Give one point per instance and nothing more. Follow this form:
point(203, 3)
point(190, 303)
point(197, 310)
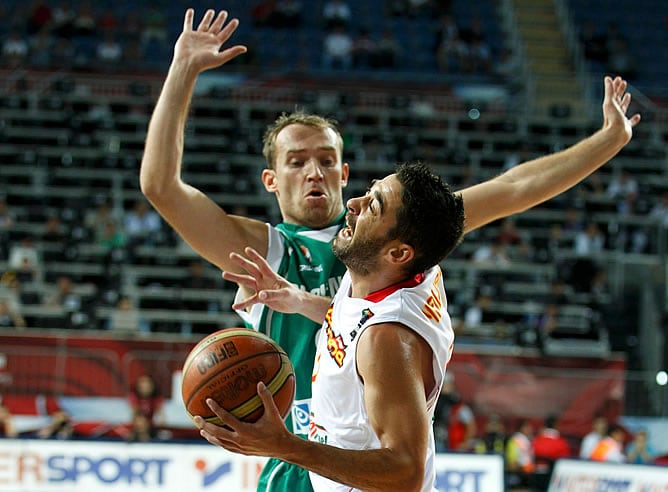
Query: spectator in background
point(508, 67)
point(621, 185)
point(520, 462)
point(388, 50)
point(336, 13)
point(659, 212)
point(363, 50)
point(85, 21)
point(288, 13)
point(141, 429)
point(108, 20)
point(338, 49)
point(639, 451)
point(60, 427)
point(154, 27)
point(477, 314)
point(509, 234)
point(591, 188)
point(62, 24)
point(145, 399)
point(54, 238)
point(591, 440)
point(97, 216)
point(572, 223)
point(10, 290)
point(453, 419)
point(132, 26)
point(589, 242)
point(112, 237)
point(595, 43)
point(7, 428)
point(621, 60)
point(7, 221)
point(263, 13)
point(547, 248)
point(39, 17)
point(549, 445)
point(62, 53)
point(198, 279)
point(54, 231)
point(72, 303)
point(547, 322)
point(494, 438)
point(492, 254)
point(473, 51)
point(64, 295)
point(25, 261)
point(125, 319)
point(611, 447)
point(10, 317)
point(448, 45)
point(142, 225)
point(108, 51)
point(419, 8)
point(15, 49)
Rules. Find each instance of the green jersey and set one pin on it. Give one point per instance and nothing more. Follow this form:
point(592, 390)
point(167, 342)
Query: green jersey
point(304, 257)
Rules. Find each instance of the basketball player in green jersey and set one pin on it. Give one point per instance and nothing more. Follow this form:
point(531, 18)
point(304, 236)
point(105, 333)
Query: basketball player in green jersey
point(306, 173)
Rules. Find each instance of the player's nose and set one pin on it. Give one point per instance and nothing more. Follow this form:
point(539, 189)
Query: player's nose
point(313, 169)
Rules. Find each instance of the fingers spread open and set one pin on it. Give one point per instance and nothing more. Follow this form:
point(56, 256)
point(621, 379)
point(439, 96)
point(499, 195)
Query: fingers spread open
point(206, 20)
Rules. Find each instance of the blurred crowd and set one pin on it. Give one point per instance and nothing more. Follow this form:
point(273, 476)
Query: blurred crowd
point(82, 35)
point(146, 423)
point(531, 447)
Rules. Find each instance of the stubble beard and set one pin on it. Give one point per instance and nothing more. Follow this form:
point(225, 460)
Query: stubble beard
point(360, 257)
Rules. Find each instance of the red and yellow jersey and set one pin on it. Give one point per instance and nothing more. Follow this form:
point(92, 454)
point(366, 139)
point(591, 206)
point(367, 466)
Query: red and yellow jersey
point(338, 413)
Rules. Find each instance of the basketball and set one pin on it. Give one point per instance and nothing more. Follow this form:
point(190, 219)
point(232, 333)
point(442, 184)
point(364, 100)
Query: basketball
point(227, 365)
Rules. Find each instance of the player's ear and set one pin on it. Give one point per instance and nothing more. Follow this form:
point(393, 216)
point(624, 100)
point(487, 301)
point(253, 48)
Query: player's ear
point(400, 253)
point(345, 171)
point(269, 180)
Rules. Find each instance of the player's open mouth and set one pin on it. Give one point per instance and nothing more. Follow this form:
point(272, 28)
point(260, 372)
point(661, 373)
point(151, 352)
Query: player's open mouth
point(347, 232)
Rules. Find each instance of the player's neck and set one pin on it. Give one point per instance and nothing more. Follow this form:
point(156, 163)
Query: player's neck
point(366, 285)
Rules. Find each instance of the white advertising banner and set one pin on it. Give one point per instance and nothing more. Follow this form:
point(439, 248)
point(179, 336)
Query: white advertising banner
point(92, 466)
point(28, 465)
point(587, 476)
point(469, 473)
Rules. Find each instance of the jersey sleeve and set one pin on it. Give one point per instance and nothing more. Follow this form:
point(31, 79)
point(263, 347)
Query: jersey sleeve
point(275, 250)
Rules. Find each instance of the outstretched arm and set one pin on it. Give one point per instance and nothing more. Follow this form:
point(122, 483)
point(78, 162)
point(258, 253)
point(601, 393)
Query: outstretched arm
point(528, 184)
point(200, 221)
point(269, 288)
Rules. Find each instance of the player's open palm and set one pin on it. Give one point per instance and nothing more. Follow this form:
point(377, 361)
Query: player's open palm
point(200, 47)
point(261, 284)
point(615, 106)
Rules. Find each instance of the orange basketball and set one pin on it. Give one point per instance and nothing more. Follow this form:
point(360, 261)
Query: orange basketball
point(227, 365)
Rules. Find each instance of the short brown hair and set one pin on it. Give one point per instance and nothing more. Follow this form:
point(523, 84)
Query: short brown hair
point(300, 118)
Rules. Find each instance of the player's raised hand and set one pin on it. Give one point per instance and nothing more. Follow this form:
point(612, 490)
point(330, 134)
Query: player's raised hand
point(615, 106)
point(200, 47)
point(267, 286)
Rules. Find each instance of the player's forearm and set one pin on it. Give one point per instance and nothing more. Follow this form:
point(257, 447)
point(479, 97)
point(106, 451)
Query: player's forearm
point(541, 179)
point(312, 306)
point(161, 163)
point(370, 470)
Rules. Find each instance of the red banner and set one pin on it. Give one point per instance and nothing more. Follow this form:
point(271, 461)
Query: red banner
point(511, 386)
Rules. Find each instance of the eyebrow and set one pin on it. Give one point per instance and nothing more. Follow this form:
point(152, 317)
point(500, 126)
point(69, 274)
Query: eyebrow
point(327, 148)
